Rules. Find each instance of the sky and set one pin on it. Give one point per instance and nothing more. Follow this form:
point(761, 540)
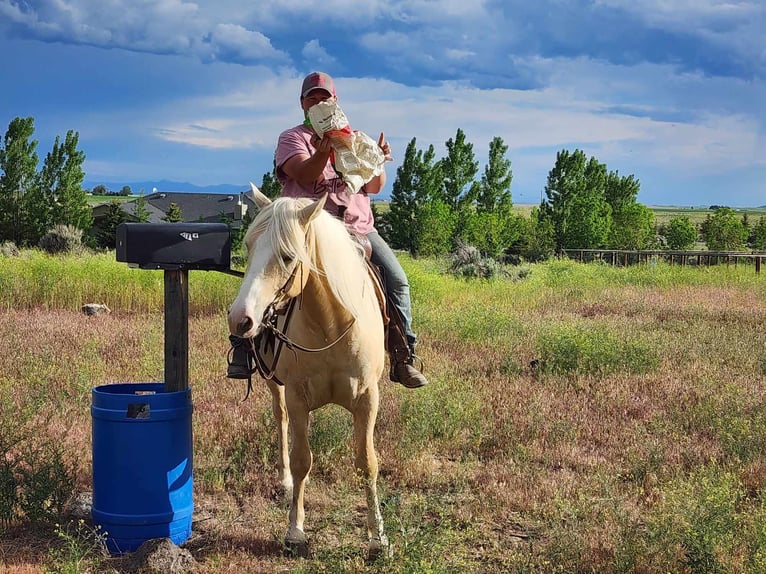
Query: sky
point(669, 91)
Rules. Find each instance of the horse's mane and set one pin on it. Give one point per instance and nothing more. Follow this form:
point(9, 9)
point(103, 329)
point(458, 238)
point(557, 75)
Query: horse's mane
point(327, 248)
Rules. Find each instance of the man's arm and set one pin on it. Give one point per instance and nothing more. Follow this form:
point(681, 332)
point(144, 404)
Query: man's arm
point(306, 169)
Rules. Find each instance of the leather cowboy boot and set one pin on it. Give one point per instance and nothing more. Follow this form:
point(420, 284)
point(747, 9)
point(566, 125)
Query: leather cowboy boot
point(404, 372)
point(240, 359)
point(401, 354)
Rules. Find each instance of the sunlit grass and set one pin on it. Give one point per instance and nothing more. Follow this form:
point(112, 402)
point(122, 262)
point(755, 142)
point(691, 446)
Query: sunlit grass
point(583, 418)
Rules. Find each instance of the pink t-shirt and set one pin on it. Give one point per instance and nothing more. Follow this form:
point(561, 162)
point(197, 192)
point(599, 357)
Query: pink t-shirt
point(355, 207)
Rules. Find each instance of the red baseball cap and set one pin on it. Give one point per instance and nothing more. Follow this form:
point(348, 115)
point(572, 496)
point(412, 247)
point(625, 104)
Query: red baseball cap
point(317, 81)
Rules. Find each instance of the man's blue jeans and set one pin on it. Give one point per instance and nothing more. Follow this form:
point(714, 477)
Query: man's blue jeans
point(397, 285)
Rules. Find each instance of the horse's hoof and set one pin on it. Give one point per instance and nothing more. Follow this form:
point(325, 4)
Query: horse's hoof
point(296, 546)
point(380, 548)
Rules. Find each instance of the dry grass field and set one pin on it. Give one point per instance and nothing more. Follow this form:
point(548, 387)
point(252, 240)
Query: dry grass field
point(580, 418)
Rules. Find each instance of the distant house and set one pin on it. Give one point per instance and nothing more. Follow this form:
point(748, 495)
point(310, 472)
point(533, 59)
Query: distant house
point(195, 207)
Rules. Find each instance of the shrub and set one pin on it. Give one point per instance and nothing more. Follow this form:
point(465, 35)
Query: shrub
point(9, 249)
point(62, 239)
point(467, 261)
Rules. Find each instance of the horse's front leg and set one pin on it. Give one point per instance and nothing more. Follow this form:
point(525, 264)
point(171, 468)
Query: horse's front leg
point(282, 421)
point(296, 543)
point(366, 462)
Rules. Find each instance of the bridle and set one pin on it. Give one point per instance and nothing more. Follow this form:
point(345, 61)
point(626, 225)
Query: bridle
point(274, 337)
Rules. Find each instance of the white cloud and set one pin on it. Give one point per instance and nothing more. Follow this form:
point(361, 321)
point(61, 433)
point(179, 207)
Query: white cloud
point(153, 26)
point(316, 55)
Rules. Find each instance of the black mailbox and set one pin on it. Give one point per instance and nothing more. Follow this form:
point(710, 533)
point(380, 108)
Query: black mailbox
point(204, 246)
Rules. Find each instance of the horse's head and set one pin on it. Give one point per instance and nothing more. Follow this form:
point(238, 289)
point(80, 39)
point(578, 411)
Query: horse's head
point(279, 260)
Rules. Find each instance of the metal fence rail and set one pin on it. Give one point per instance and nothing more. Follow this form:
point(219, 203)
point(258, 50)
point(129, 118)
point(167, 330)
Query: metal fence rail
point(625, 257)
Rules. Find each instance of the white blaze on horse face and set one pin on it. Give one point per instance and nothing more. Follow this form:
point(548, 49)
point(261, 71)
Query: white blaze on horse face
point(263, 278)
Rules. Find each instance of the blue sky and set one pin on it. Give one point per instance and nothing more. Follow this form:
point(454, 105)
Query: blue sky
point(671, 91)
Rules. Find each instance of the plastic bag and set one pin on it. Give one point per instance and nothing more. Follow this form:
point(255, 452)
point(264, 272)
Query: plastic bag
point(357, 156)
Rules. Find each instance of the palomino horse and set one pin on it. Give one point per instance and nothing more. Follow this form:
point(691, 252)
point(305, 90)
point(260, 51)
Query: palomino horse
point(298, 253)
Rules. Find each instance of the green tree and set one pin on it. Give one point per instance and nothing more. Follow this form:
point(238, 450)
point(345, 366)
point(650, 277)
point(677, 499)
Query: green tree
point(417, 182)
point(590, 223)
point(537, 239)
point(492, 227)
point(435, 228)
point(758, 236)
point(125, 191)
point(61, 199)
point(633, 224)
point(494, 192)
point(18, 162)
point(620, 191)
point(72, 200)
point(270, 186)
point(174, 214)
point(724, 231)
point(493, 233)
point(458, 170)
point(680, 233)
point(140, 211)
point(633, 227)
point(107, 236)
point(100, 189)
point(575, 202)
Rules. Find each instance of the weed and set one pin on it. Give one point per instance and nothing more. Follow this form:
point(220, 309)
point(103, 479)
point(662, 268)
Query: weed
point(81, 549)
point(35, 482)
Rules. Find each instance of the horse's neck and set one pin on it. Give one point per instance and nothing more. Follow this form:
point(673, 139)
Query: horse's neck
point(320, 307)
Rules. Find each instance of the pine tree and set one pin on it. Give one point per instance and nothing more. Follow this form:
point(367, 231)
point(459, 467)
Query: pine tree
point(173, 214)
point(270, 186)
point(140, 211)
point(107, 236)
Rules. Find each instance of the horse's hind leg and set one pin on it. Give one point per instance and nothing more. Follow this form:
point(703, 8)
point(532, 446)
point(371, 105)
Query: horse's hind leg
point(282, 421)
point(366, 463)
point(296, 543)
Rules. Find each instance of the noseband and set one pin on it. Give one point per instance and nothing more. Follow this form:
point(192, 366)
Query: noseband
point(271, 337)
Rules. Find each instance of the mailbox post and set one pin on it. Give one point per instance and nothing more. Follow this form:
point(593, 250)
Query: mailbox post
point(142, 433)
point(176, 248)
point(176, 330)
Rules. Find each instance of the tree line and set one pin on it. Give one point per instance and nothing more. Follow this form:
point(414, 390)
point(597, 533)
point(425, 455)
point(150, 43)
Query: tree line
point(436, 205)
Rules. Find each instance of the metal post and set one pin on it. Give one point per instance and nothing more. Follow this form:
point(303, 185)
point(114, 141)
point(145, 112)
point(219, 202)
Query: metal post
point(176, 330)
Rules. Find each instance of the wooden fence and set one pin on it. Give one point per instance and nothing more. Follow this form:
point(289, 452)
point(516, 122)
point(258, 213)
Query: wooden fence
point(698, 258)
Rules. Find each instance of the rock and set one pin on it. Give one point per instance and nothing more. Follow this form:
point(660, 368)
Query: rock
point(80, 505)
point(95, 309)
point(160, 556)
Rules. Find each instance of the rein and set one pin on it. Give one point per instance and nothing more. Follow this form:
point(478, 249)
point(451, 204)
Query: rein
point(270, 332)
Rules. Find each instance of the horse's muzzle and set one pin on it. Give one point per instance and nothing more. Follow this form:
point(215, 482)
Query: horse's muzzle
point(239, 329)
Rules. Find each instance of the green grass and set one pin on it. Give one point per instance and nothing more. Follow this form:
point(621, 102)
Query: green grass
point(581, 418)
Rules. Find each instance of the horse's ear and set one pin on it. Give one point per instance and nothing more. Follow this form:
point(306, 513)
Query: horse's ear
point(260, 199)
point(309, 212)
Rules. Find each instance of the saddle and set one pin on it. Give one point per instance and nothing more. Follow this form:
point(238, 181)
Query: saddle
point(395, 339)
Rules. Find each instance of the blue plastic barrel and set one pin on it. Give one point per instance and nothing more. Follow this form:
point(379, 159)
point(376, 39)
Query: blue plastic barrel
point(142, 464)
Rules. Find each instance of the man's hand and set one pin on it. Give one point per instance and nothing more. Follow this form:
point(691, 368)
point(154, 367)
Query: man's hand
point(322, 145)
point(384, 147)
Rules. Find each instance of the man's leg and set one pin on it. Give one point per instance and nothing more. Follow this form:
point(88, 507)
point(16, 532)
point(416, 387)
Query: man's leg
point(398, 298)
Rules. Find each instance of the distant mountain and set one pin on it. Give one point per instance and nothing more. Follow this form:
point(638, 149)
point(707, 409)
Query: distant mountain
point(165, 185)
